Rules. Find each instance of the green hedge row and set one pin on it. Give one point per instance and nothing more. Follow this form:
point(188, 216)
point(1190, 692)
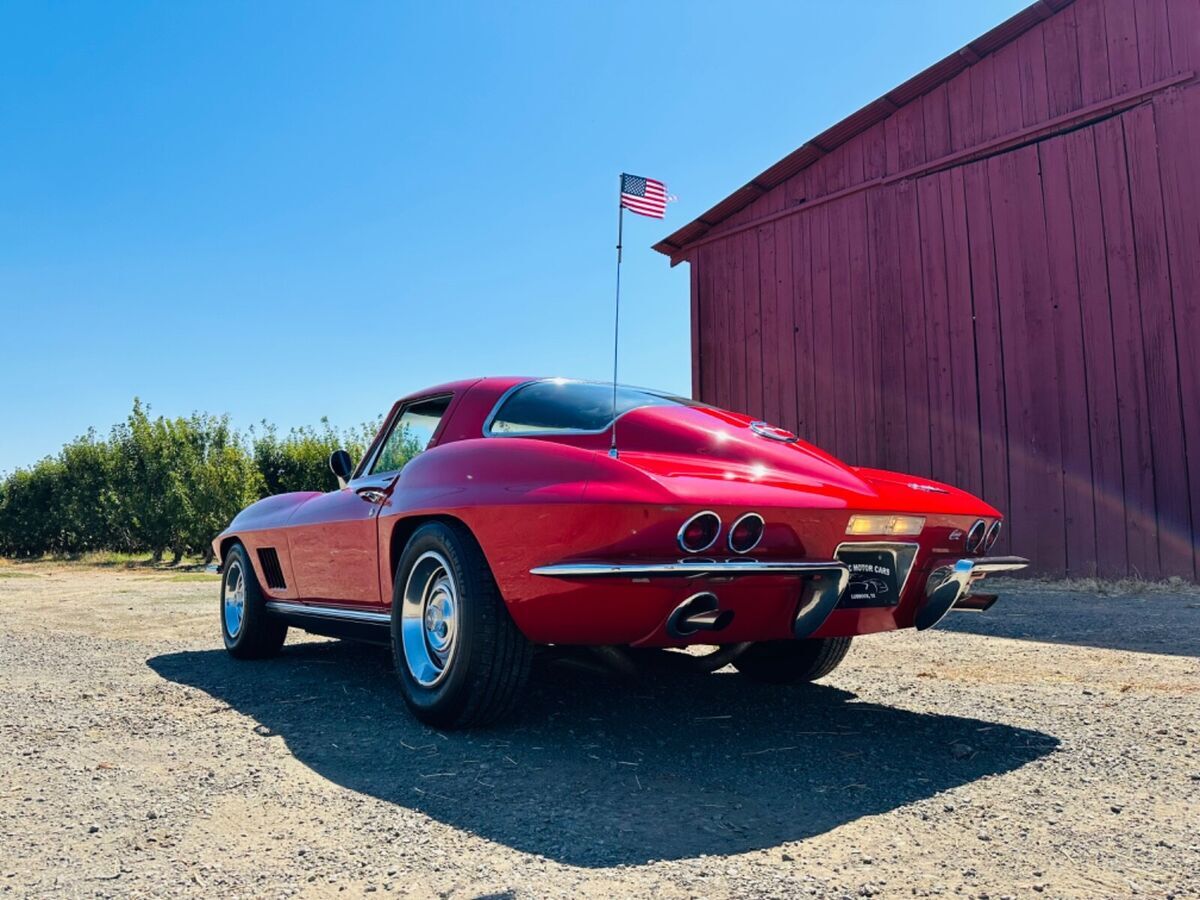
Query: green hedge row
point(161, 485)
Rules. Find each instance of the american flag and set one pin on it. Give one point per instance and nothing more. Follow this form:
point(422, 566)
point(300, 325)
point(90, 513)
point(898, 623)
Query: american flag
point(644, 196)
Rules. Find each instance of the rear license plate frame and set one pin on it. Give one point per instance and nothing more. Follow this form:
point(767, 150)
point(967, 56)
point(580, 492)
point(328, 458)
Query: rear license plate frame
point(879, 573)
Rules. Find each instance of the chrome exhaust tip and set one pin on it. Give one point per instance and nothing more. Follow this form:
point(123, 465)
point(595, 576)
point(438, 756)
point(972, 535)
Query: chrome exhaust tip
point(943, 589)
point(820, 596)
point(699, 612)
point(975, 602)
point(948, 587)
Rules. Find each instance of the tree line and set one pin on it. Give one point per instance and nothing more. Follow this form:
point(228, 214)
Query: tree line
point(161, 485)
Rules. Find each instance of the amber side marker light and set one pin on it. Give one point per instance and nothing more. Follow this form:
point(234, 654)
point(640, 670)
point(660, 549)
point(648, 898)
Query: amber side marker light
point(885, 524)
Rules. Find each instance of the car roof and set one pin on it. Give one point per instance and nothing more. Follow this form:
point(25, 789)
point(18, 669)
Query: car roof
point(497, 383)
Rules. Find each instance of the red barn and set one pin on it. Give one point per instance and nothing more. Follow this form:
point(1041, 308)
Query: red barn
point(991, 276)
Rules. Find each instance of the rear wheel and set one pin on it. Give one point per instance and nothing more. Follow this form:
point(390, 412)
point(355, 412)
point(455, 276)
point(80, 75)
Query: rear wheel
point(789, 662)
point(250, 631)
point(460, 657)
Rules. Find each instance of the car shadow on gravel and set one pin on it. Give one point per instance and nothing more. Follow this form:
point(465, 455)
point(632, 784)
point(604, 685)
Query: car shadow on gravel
point(597, 771)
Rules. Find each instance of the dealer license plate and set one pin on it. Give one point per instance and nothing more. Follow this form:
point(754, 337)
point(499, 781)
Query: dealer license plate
point(876, 575)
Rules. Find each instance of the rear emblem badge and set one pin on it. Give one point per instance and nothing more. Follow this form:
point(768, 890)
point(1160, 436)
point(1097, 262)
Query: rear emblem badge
point(773, 432)
point(927, 487)
point(955, 535)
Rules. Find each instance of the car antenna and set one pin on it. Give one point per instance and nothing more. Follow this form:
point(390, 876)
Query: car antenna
point(612, 450)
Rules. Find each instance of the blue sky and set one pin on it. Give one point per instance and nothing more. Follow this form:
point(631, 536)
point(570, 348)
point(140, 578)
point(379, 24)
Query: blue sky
point(289, 210)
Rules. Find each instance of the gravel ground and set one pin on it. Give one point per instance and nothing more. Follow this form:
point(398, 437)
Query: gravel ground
point(1048, 748)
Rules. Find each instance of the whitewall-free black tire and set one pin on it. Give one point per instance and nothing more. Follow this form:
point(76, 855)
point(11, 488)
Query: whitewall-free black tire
point(249, 630)
point(789, 662)
point(460, 658)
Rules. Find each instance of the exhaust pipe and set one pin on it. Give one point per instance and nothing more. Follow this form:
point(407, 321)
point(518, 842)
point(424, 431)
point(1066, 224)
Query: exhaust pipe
point(699, 612)
point(948, 587)
point(820, 594)
point(945, 586)
point(975, 602)
point(713, 620)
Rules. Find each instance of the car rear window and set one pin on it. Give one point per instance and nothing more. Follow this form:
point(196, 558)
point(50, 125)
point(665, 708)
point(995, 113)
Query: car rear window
point(558, 406)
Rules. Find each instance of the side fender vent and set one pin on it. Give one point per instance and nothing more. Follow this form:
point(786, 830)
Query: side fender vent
point(269, 560)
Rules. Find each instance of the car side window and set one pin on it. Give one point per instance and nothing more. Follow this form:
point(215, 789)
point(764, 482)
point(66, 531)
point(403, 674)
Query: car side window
point(411, 434)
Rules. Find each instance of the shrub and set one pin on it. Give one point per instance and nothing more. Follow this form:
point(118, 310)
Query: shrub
point(299, 461)
point(159, 484)
point(30, 511)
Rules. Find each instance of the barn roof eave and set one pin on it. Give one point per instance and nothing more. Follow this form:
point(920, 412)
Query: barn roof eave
point(675, 245)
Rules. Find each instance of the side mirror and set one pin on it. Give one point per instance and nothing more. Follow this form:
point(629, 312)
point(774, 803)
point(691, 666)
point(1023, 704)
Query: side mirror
point(341, 465)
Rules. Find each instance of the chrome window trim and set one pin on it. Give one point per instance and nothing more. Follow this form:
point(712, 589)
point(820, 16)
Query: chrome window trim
point(329, 612)
point(688, 521)
point(729, 536)
point(391, 426)
point(487, 423)
point(690, 568)
point(385, 429)
point(895, 547)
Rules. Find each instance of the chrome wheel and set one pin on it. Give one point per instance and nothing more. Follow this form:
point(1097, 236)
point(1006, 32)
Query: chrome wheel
point(429, 616)
point(235, 598)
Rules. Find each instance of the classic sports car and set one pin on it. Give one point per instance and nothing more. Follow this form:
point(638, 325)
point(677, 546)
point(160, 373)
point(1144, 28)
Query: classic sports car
point(493, 515)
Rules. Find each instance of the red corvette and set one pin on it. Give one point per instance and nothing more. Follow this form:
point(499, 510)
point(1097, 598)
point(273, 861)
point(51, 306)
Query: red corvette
point(492, 515)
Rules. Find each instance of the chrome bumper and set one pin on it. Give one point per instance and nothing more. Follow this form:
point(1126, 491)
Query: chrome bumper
point(825, 582)
point(689, 569)
point(949, 584)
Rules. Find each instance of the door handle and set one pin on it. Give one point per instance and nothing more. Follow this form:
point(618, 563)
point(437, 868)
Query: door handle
point(371, 495)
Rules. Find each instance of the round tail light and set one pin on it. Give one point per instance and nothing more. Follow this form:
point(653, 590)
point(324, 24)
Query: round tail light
point(976, 535)
point(745, 533)
point(699, 532)
point(993, 535)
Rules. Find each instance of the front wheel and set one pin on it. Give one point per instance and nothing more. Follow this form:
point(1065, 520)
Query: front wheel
point(789, 662)
point(460, 657)
point(250, 632)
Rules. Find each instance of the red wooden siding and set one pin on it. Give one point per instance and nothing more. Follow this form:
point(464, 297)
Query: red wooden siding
point(997, 285)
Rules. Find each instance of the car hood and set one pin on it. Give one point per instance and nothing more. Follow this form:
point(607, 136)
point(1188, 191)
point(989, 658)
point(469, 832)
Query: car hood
point(705, 455)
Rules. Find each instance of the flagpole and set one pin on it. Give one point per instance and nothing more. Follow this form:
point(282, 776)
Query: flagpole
point(612, 451)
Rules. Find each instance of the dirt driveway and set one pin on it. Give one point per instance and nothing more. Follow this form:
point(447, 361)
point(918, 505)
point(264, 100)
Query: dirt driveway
point(1050, 747)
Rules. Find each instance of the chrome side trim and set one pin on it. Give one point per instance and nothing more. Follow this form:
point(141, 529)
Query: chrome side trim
point(329, 612)
point(691, 569)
